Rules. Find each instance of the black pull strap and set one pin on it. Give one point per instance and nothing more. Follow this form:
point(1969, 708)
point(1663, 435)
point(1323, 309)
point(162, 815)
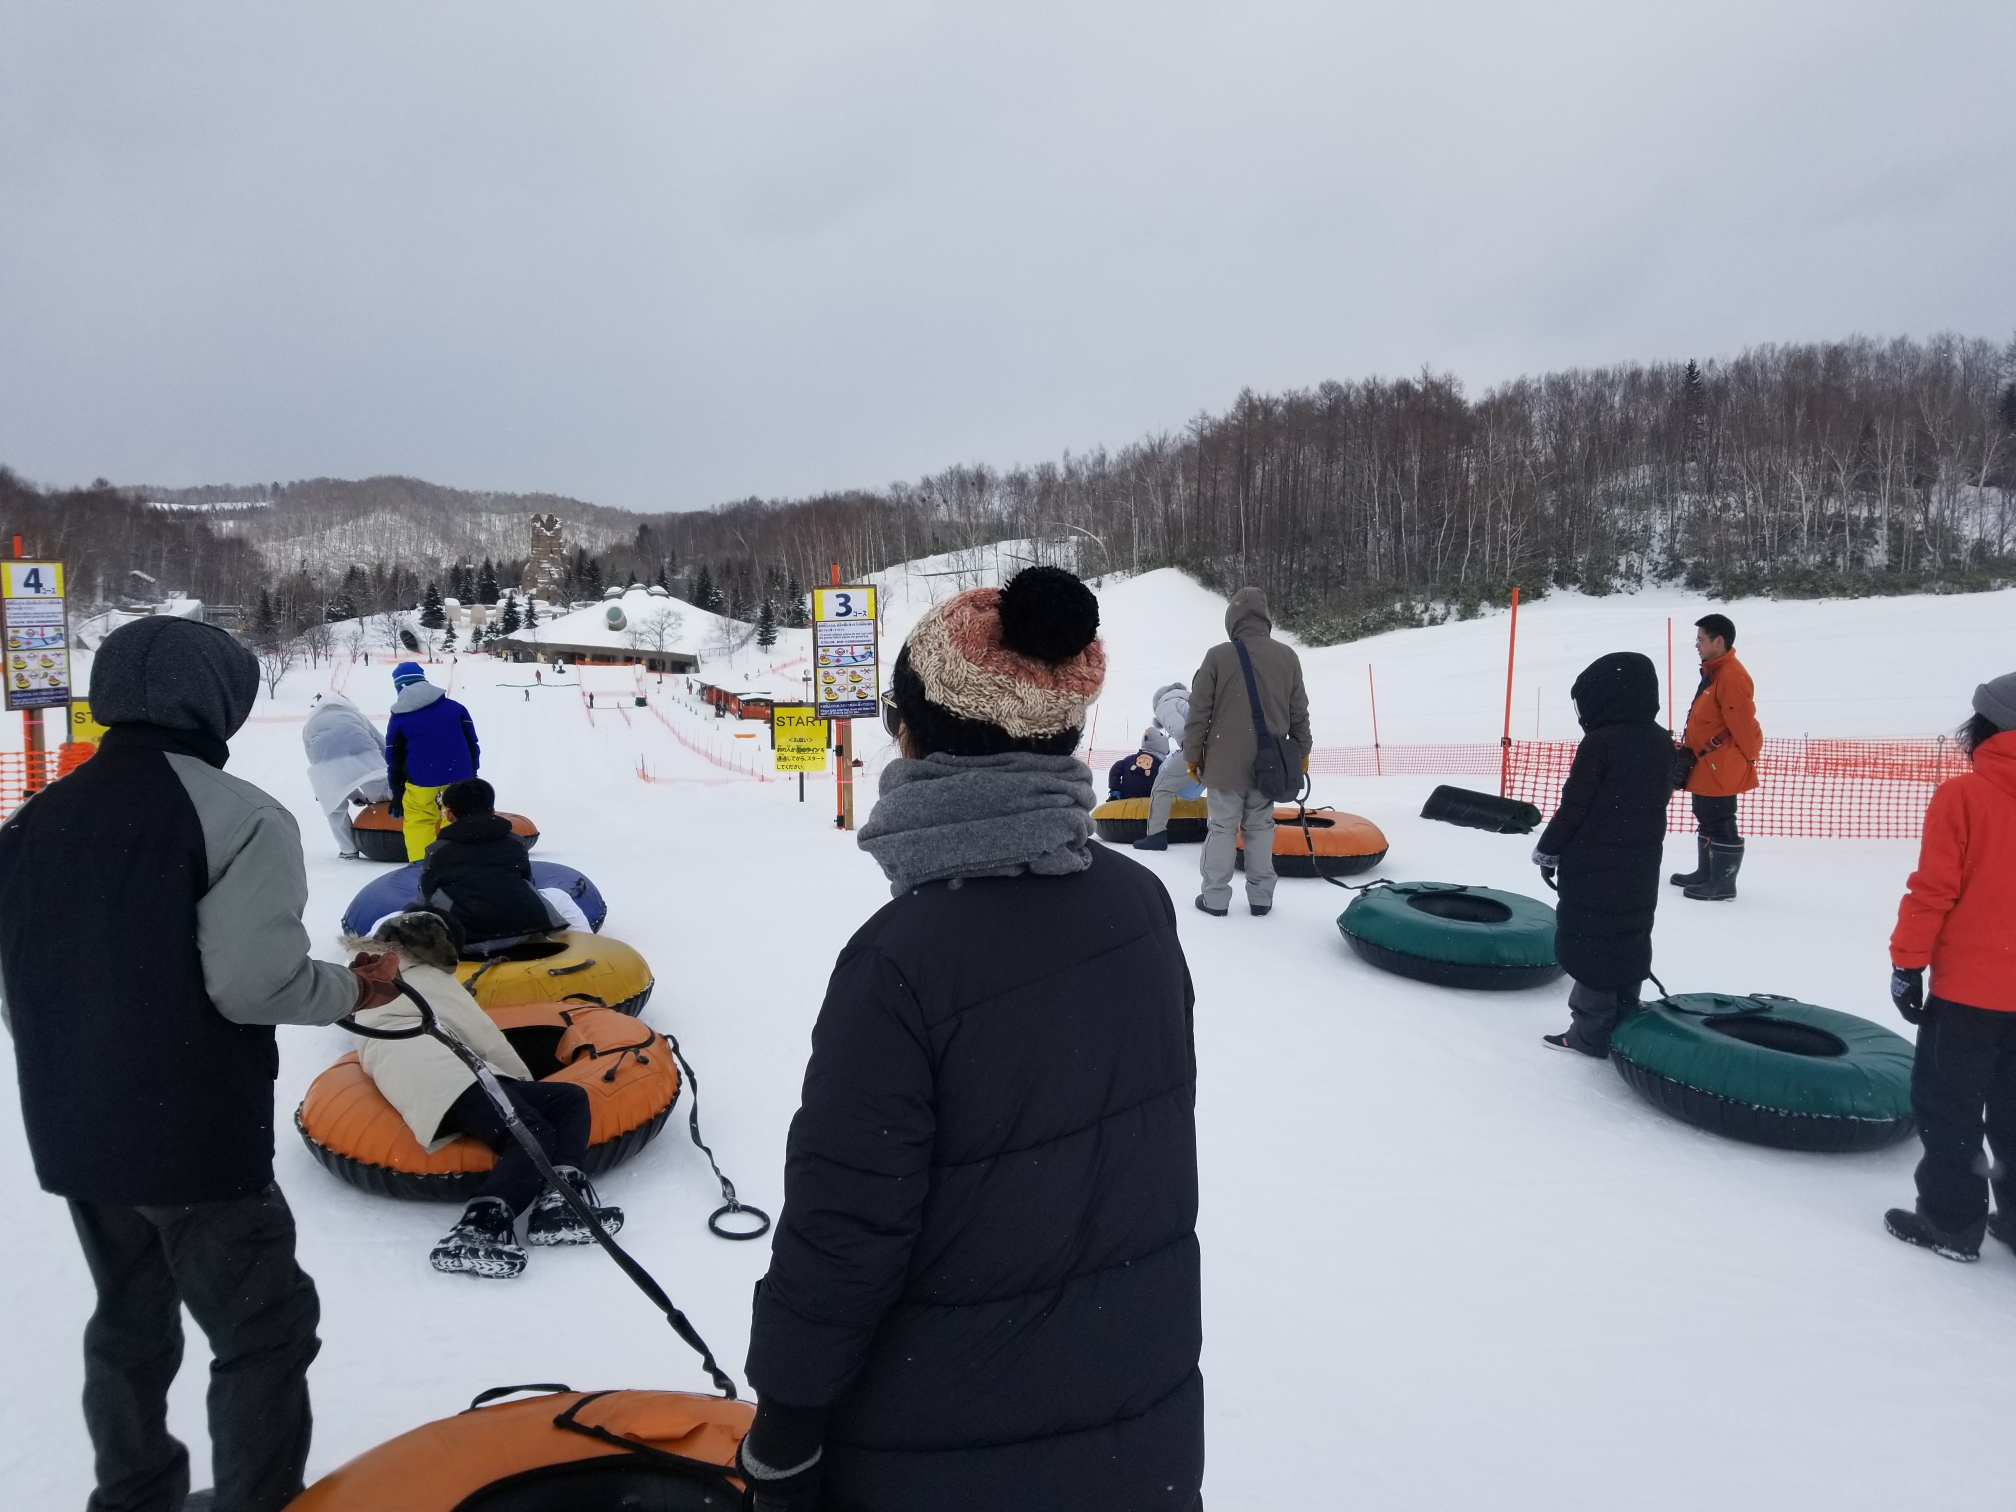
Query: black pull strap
point(730, 1203)
point(545, 1388)
point(1252, 691)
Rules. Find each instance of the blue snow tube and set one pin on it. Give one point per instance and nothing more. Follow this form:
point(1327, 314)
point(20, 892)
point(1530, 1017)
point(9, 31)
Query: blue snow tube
point(401, 889)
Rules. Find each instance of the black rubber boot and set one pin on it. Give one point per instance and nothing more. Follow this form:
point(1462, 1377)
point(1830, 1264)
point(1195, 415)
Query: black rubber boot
point(482, 1244)
point(1914, 1228)
point(552, 1221)
point(1724, 861)
point(1159, 841)
point(1699, 875)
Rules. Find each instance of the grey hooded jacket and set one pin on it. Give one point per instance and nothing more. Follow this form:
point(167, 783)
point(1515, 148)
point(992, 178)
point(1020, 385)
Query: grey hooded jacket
point(1220, 737)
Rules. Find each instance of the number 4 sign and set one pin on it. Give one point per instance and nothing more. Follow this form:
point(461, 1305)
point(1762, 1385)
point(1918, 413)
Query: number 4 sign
point(38, 648)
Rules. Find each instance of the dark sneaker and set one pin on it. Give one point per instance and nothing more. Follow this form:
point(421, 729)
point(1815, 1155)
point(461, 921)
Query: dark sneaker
point(1562, 1041)
point(1558, 1041)
point(1259, 910)
point(1158, 841)
point(1914, 1228)
point(552, 1221)
point(482, 1244)
point(1216, 913)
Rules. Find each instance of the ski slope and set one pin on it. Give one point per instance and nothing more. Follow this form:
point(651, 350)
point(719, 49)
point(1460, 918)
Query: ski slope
point(1444, 1266)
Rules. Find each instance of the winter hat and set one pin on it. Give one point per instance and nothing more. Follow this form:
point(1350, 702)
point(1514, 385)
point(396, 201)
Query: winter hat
point(1003, 669)
point(1616, 688)
point(406, 674)
point(178, 673)
point(1993, 701)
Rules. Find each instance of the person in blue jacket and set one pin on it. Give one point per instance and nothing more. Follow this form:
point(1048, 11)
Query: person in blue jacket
point(429, 743)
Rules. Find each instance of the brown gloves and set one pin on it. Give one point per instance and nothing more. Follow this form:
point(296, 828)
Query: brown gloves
point(377, 980)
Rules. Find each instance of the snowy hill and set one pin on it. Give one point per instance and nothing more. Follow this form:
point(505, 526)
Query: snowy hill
point(1444, 1267)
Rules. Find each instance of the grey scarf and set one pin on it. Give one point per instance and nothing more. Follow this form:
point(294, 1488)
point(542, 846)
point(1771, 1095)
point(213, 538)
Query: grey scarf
point(980, 816)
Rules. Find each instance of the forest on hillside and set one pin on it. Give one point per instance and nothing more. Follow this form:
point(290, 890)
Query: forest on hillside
point(1850, 467)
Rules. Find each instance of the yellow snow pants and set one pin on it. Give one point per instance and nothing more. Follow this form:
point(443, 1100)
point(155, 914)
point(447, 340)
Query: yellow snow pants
point(423, 819)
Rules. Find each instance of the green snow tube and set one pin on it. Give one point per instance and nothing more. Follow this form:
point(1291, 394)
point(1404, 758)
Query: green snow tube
point(1452, 935)
point(1769, 1070)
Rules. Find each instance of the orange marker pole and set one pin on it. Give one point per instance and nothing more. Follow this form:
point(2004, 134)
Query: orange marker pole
point(1505, 740)
point(1372, 688)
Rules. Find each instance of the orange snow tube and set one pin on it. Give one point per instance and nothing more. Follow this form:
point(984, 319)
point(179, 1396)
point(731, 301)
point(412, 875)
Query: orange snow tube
point(626, 1069)
point(569, 1451)
point(1335, 845)
point(382, 838)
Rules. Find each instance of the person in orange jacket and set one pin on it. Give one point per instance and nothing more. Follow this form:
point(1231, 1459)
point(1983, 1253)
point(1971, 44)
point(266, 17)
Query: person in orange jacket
point(1956, 918)
point(1725, 739)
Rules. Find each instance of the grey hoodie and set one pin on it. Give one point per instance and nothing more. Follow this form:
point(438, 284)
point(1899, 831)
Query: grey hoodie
point(1219, 737)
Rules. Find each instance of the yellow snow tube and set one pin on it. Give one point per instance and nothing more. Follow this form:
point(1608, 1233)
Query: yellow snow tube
point(1120, 821)
point(568, 968)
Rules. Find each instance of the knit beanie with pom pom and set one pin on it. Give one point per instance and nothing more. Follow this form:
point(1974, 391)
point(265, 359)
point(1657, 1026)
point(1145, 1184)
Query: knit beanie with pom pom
point(1003, 669)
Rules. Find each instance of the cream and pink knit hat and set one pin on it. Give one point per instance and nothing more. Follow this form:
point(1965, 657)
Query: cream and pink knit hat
point(1025, 659)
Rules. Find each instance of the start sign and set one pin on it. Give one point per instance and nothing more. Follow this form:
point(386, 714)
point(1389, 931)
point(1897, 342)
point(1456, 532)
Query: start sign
point(799, 735)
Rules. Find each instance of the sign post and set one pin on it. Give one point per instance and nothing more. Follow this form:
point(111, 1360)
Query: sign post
point(798, 736)
point(846, 674)
point(38, 650)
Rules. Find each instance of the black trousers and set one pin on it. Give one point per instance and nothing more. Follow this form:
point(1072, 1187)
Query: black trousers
point(1963, 1085)
point(557, 1115)
point(1595, 1012)
point(1716, 819)
point(232, 1263)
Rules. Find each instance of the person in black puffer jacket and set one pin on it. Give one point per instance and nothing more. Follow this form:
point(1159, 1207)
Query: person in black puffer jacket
point(478, 873)
point(1605, 841)
point(984, 1290)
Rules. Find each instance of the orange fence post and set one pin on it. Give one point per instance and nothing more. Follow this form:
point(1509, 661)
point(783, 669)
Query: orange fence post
point(1505, 740)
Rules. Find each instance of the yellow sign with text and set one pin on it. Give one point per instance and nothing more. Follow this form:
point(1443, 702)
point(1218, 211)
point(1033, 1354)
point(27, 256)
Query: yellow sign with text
point(83, 728)
point(800, 738)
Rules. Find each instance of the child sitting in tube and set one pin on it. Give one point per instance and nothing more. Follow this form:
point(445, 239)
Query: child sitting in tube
point(438, 1096)
point(479, 875)
point(1134, 776)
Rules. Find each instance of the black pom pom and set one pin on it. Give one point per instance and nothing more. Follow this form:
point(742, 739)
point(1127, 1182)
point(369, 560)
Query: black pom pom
point(1047, 614)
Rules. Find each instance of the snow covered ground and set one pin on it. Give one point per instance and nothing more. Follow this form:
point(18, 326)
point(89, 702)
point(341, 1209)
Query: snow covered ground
point(1444, 1266)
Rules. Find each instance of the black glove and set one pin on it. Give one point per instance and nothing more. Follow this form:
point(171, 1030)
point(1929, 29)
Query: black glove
point(1549, 867)
point(1907, 991)
point(398, 809)
point(781, 1458)
point(798, 1492)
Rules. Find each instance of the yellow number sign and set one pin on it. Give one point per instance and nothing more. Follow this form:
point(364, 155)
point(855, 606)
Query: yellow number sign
point(800, 736)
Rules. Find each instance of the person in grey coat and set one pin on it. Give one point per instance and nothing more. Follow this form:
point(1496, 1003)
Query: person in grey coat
point(1172, 713)
point(346, 764)
point(1219, 742)
point(150, 940)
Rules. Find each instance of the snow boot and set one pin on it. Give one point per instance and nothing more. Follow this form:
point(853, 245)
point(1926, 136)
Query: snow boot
point(552, 1221)
point(1216, 913)
point(482, 1244)
point(1259, 910)
point(1158, 841)
point(1699, 875)
point(1724, 861)
point(1914, 1228)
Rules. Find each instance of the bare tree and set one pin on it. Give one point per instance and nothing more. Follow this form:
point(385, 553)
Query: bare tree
point(274, 662)
point(317, 639)
point(656, 630)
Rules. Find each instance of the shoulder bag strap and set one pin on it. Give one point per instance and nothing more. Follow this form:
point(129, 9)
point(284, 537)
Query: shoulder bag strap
point(1252, 690)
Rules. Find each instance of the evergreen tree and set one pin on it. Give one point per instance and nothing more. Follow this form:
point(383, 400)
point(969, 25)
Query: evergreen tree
point(666, 583)
point(486, 583)
point(766, 625)
point(432, 615)
point(511, 622)
point(531, 613)
point(448, 640)
point(797, 615)
point(591, 579)
point(265, 622)
point(705, 594)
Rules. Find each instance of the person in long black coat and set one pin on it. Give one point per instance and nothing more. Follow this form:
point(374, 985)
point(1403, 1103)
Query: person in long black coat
point(1605, 843)
point(984, 1290)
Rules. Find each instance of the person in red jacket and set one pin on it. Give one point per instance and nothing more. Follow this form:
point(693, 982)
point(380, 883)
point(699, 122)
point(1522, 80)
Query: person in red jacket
point(1956, 918)
point(1725, 739)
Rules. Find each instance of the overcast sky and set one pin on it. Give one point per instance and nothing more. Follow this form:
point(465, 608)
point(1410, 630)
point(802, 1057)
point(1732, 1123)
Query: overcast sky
point(661, 255)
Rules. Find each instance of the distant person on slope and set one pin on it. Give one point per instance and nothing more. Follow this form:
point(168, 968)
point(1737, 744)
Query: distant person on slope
point(479, 874)
point(1172, 713)
point(1604, 844)
point(1958, 916)
point(346, 765)
point(1220, 742)
point(438, 1096)
point(150, 940)
point(1725, 740)
point(429, 743)
point(984, 1292)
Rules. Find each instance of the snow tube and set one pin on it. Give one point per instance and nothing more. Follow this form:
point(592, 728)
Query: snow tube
point(627, 1071)
point(1122, 821)
point(570, 1451)
point(382, 838)
point(401, 889)
point(1485, 811)
point(1452, 935)
point(1344, 844)
point(568, 968)
point(1769, 1070)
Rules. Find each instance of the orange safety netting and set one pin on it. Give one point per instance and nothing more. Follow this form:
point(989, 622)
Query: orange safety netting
point(1815, 789)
